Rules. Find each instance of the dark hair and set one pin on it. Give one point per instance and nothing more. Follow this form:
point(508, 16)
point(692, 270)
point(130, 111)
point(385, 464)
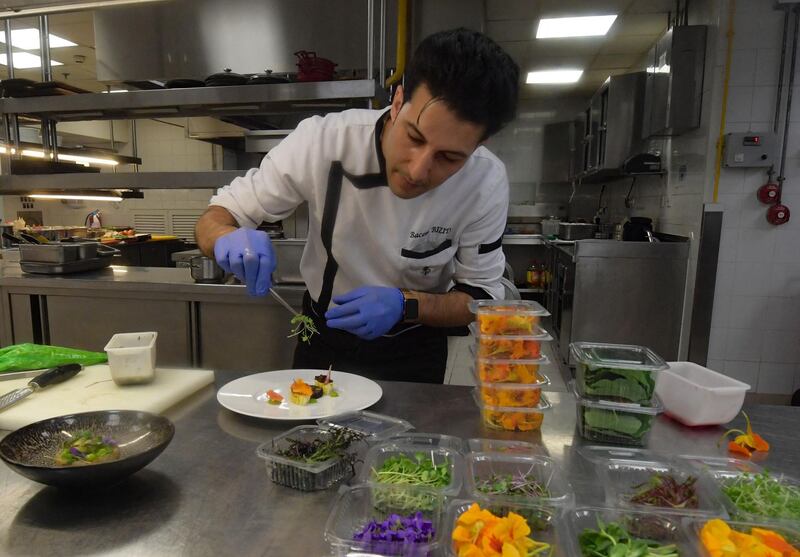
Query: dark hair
point(476, 78)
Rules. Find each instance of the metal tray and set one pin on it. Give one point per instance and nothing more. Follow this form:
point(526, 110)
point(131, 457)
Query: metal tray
point(48, 253)
point(79, 266)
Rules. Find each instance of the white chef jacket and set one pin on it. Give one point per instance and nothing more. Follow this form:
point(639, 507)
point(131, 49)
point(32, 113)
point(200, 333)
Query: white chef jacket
point(360, 233)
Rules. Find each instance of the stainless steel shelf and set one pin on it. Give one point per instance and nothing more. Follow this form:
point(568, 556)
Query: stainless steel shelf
point(530, 290)
point(26, 183)
point(523, 239)
point(323, 96)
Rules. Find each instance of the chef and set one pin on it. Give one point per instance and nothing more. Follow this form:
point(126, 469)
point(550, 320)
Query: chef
point(406, 213)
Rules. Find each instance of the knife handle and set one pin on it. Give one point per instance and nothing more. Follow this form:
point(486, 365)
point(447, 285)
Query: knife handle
point(56, 375)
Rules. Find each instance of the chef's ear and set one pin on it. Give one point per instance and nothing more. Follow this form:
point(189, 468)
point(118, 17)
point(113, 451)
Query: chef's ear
point(397, 102)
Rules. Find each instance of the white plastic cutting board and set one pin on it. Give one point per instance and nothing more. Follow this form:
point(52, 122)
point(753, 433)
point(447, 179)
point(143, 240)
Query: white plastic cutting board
point(93, 389)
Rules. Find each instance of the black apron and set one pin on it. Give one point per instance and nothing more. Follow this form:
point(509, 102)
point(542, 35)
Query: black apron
point(406, 353)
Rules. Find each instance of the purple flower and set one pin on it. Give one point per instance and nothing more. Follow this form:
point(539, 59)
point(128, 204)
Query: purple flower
point(75, 452)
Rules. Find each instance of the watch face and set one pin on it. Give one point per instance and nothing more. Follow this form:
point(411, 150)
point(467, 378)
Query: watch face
point(411, 309)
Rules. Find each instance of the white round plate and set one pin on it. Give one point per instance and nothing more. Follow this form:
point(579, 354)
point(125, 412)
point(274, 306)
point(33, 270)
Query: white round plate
point(248, 395)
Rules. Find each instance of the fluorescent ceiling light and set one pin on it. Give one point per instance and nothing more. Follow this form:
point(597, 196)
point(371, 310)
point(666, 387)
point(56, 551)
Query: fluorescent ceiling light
point(664, 68)
point(560, 27)
point(26, 60)
point(76, 196)
point(554, 76)
point(28, 39)
point(115, 91)
point(537, 115)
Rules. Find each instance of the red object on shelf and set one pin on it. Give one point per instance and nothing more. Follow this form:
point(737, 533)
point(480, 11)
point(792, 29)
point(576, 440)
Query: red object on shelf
point(778, 214)
point(768, 193)
point(313, 68)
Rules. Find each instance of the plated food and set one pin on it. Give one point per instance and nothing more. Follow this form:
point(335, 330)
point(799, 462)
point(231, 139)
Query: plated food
point(87, 448)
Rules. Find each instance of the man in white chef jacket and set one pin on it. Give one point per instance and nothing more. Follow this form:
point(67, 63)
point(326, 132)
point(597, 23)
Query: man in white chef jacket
point(406, 213)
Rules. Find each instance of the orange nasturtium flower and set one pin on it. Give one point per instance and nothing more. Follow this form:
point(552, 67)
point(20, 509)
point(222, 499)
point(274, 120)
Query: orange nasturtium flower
point(746, 443)
point(479, 533)
point(720, 540)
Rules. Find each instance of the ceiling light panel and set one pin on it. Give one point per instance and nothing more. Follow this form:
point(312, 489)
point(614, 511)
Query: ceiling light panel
point(26, 60)
point(561, 27)
point(554, 76)
point(28, 39)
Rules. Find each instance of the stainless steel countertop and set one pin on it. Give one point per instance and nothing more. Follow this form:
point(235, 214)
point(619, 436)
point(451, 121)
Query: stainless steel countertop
point(209, 495)
point(170, 280)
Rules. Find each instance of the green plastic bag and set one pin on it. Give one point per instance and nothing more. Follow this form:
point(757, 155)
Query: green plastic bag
point(23, 357)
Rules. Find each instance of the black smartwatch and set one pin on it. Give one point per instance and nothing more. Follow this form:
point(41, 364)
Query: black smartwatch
point(410, 306)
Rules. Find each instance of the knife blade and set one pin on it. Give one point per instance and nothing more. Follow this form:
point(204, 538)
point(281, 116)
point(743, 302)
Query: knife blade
point(49, 377)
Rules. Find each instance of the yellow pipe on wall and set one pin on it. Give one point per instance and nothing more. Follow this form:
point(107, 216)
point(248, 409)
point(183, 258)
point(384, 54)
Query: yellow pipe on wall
point(724, 110)
point(402, 28)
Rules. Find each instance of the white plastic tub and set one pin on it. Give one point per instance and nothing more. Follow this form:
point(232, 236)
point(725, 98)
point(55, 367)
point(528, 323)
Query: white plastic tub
point(696, 396)
point(132, 357)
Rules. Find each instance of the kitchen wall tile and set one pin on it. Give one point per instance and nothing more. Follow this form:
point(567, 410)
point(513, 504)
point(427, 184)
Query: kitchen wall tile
point(776, 378)
point(716, 342)
point(732, 207)
point(783, 314)
point(763, 108)
point(785, 280)
point(753, 179)
point(756, 245)
point(787, 245)
point(716, 365)
point(743, 371)
point(743, 344)
point(743, 67)
point(754, 214)
point(795, 114)
point(728, 244)
point(721, 313)
point(747, 312)
point(770, 26)
point(751, 279)
point(731, 180)
point(740, 101)
point(781, 347)
point(767, 61)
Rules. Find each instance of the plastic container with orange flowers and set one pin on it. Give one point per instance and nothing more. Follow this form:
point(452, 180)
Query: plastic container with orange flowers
point(516, 395)
point(495, 370)
point(710, 536)
point(512, 418)
point(507, 317)
point(481, 527)
point(510, 347)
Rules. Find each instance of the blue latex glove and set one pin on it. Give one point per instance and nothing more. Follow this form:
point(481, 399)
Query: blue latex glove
point(367, 312)
point(248, 254)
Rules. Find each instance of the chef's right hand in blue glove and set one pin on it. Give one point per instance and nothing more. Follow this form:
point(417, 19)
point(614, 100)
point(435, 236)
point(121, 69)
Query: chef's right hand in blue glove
point(248, 254)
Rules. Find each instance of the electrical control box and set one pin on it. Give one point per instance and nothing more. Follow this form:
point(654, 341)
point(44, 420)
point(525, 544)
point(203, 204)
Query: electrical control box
point(750, 149)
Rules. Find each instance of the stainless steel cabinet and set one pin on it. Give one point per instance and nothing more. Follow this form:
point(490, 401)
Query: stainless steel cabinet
point(88, 322)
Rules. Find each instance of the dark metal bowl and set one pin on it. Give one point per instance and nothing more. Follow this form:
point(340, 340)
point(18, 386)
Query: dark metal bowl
point(141, 437)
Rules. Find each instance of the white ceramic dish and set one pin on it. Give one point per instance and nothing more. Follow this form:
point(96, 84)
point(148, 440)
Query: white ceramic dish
point(247, 395)
point(697, 396)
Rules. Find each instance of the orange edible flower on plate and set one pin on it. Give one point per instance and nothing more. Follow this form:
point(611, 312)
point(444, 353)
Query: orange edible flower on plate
point(300, 387)
point(746, 443)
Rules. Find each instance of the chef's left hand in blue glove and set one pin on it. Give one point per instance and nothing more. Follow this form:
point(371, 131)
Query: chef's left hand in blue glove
point(367, 312)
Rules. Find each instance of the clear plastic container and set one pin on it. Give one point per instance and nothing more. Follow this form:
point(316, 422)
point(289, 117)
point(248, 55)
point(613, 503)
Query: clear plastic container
point(625, 475)
point(516, 395)
point(503, 446)
point(509, 418)
point(425, 440)
point(357, 506)
point(723, 477)
point(303, 475)
point(375, 427)
point(712, 464)
point(614, 422)
point(695, 395)
point(485, 469)
point(546, 523)
point(498, 370)
point(507, 317)
point(510, 347)
point(693, 526)
point(664, 529)
point(132, 357)
point(379, 454)
point(616, 372)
